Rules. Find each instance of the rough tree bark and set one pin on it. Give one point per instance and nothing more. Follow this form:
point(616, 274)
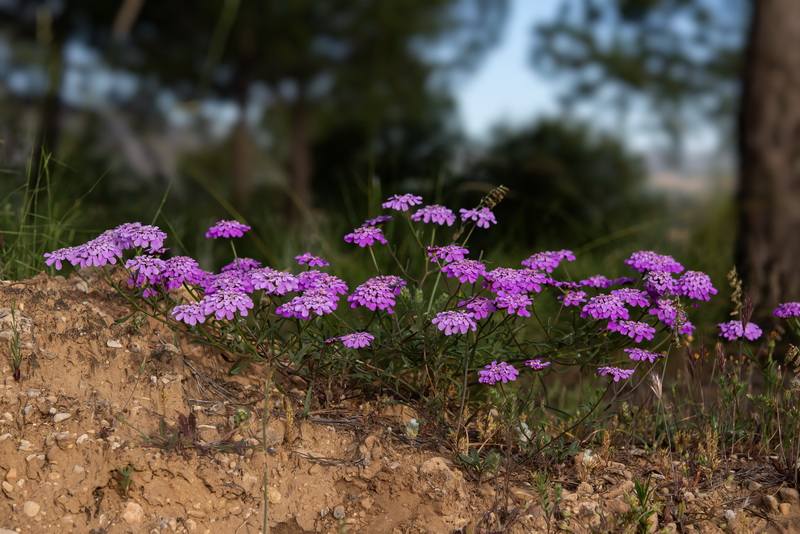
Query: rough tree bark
point(768, 247)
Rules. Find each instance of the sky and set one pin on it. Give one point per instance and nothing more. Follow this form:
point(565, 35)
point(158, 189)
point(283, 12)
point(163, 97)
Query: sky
point(506, 88)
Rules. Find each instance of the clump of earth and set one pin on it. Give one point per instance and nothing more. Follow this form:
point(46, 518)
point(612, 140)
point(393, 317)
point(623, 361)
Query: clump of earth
point(124, 427)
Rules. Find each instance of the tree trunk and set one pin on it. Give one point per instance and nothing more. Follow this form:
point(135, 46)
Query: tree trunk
point(768, 246)
point(300, 165)
point(49, 127)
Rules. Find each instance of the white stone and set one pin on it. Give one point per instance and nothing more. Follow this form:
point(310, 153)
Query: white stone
point(31, 508)
point(59, 417)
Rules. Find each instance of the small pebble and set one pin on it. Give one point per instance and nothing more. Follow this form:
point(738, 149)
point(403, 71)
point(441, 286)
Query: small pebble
point(114, 344)
point(31, 508)
point(59, 417)
point(338, 512)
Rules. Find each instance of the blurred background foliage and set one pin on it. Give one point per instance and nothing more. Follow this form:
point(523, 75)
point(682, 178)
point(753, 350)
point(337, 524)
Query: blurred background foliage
point(300, 117)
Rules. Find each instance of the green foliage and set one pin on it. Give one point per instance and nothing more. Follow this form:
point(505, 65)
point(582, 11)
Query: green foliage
point(569, 184)
point(488, 464)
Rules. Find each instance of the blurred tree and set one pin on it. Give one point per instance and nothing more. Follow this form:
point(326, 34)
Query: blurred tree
point(685, 59)
point(327, 67)
point(568, 184)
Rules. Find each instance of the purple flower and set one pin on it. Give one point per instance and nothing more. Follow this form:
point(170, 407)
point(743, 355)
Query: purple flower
point(573, 298)
point(451, 322)
point(480, 307)
point(733, 330)
point(635, 330)
point(312, 261)
point(242, 264)
point(229, 280)
point(788, 309)
point(227, 229)
point(465, 270)
point(484, 217)
point(380, 219)
point(615, 372)
point(447, 253)
point(191, 313)
point(659, 283)
point(58, 256)
point(377, 293)
point(435, 214)
point(272, 281)
point(514, 302)
point(401, 202)
point(537, 364)
point(695, 285)
point(357, 340)
point(366, 236)
point(100, 251)
point(502, 279)
point(136, 234)
point(314, 279)
point(633, 297)
point(146, 268)
point(647, 260)
point(224, 303)
point(315, 300)
point(667, 310)
point(497, 372)
point(605, 307)
point(548, 260)
point(597, 280)
point(642, 354)
point(180, 269)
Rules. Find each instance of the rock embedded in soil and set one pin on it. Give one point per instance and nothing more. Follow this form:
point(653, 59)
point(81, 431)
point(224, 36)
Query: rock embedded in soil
point(133, 513)
point(789, 495)
point(770, 504)
point(31, 508)
point(59, 417)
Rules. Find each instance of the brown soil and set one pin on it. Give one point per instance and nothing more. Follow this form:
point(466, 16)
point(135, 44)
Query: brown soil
point(96, 397)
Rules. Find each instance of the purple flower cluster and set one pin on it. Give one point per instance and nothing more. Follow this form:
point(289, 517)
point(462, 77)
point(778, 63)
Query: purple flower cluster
point(733, 330)
point(605, 307)
point(480, 307)
point(180, 269)
point(192, 313)
point(356, 340)
point(365, 236)
point(515, 303)
point(615, 372)
point(515, 280)
point(659, 283)
point(401, 202)
point(435, 214)
point(537, 364)
point(573, 298)
point(635, 330)
point(597, 280)
point(695, 285)
point(242, 264)
point(548, 260)
point(316, 300)
point(224, 303)
point(227, 229)
point(632, 297)
point(380, 219)
point(483, 217)
point(647, 260)
point(227, 281)
point(447, 253)
point(106, 248)
point(642, 354)
point(497, 372)
point(788, 309)
point(377, 293)
point(311, 260)
point(451, 322)
point(465, 270)
point(272, 281)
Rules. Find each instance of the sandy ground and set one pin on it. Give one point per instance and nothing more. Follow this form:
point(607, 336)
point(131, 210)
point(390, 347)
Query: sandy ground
point(122, 428)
